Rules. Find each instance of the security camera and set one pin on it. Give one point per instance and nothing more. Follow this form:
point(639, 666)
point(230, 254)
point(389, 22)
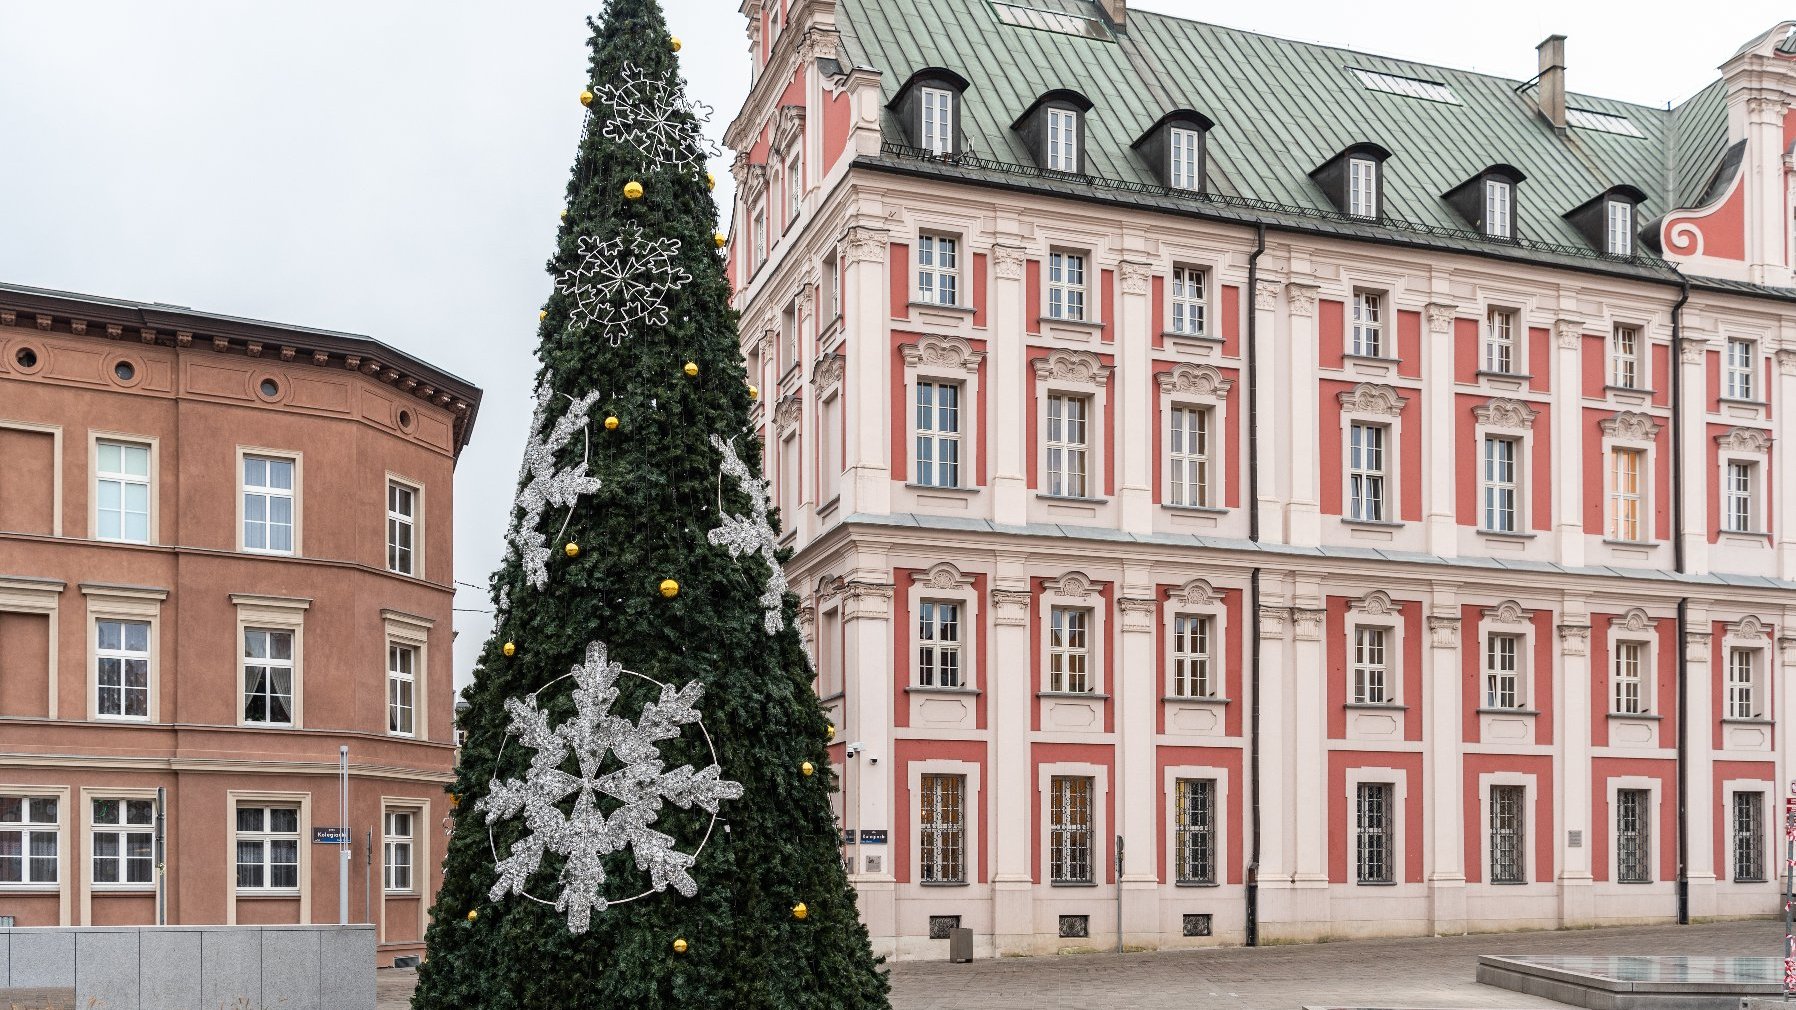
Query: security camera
point(854, 749)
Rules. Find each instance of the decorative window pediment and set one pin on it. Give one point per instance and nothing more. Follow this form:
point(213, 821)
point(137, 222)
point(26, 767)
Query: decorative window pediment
point(1196, 593)
point(942, 576)
point(1195, 380)
point(1503, 412)
point(1373, 398)
point(1631, 425)
point(1073, 585)
point(947, 353)
point(1073, 366)
point(1377, 603)
point(1507, 612)
point(1745, 440)
point(1637, 620)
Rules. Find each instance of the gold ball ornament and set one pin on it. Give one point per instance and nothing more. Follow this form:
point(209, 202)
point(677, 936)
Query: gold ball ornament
point(799, 911)
point(632, 190)
point(564, 213)
point(691, 369)
point(720, 239)
point(670, 588)
point(510, 649)
point(572, 549)
point(586, 97)
point(675, 43)
point(611, 423)
point(830, 733)
point(454, 801)
point(679, 945)
point(473, 914)
point(754, 392)
point(540, 316)
point(711, 180)
point(808, 768)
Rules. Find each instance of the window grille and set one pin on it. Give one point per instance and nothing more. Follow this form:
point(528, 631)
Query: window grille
point(1375, 833)
point(1069, 834)
point(1195, 831)
point(1749, 836)
point(942, 830)
point(1633, 836)
point(1508, 835)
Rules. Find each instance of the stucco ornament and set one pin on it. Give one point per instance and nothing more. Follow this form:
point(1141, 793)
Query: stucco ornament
point(545, 484)
point(613, 757)
point(622, 283)
point(753, 534)
point(654, 118)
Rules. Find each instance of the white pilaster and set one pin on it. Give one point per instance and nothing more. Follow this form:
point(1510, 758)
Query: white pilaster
point(1699, 775)
point(1134, 378)
point(1012, 699)
point(1275, 427)
point(1007, 385)
point(1697, 475)
point(1299, 403)
point(1439, 505)
point(1568, 442)
point(1137, 694)
point(867, 486)
point(1444, 776)
point(1309, 688)
point(867, 631)
point(1783, 466)
point(1575, 767)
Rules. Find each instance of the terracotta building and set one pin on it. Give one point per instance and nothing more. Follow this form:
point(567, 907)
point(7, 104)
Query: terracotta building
point(225, 554)
point(1245, 490)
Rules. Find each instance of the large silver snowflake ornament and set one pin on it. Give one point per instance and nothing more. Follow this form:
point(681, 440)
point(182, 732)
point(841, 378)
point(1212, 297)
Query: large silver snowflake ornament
point(652, 117)
point(623, 282)
point(561, 808)
point(544, 484)
point(753, 534)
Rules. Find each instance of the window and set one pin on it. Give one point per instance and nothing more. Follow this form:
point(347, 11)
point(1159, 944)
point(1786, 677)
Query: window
point(938, 434)
point(1498, 200)
point(1499, 341)
point(1191, 668)
point(122, 492)
point(28, 840)
point(1621, 228)
point(1365, 472)
point(1500, 498)
point(937, 270)
point(1742, 684)
point(1368, 325)
point(1194, 841)
point(1409, 87)
point(124, 842)
point(1362, 187)
point(938, 644)
point(1063, 140)
point(1068, 445)
point(1069, 651)
point(1066, 286)
point(1624, 358)
point(794, 187)
point(268, 677)
point(1188, 453)
point(267, 848)
point(268, 504)
point(1188, 307)
point(938, 121)
point(1502, 672)
point(1626, 466)
point(1375, 833)
point(789, 336)
point(1633, 836)
point(1508, 835)
point(1749, 836)
point(402, 518)
point(832, 280)
point(402, 683)
point(942, 831)
point(1069, 832)
point(760, 236)
point(1738, 377)
point(396, 861)
point(1630, 681)
point(1185, 158)
point(1371, 685)
point(1736, 508)
point(123, 673)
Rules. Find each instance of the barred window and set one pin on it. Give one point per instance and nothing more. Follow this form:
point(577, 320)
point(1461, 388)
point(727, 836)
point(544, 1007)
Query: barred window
point(938, 644)
point(1069, 650)
point(1630, 666)
point(1191, 676)
point(1633, 836)
point(1508, 835)
point(942, 830)
point(1749, 836)
point(1375, 833)
point(1370, 683)
point(1069, 832)
point(1195, 838)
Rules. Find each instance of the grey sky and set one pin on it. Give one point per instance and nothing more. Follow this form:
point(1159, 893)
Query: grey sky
point(395, 168)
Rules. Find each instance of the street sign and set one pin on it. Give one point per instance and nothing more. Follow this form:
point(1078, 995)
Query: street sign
point(330, 836)
point(873, 836)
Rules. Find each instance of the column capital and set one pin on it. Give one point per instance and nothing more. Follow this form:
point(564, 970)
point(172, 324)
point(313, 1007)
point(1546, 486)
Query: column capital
point(866, 245)
point(1138, 614)
point(1786, 362)
point(867, 600)
point(1696, 646)
point(1137, 278)
point(1265, 296)
point(1007, 262)
point(1308, 623)
point(1302, 298)
point(1443, 632)
point(1574, 639)
point(1273, 621)
point(1441, 316)
point(1693, 350)
point(1011, 607)
point(1569, 333)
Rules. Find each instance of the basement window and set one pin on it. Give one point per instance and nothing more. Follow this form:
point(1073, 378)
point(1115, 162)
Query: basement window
point(1408, 87)
point(1602, 122)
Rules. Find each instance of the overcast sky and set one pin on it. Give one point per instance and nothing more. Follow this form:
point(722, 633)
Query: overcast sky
point(395, 168)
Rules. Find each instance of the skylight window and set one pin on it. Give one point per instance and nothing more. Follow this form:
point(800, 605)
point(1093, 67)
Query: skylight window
point(1050, 21)
point(1604, 122)
point(1408, 87)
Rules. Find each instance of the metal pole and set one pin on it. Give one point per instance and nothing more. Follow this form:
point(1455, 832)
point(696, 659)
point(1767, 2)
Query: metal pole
point(1789, 897)
point(1119, 871)
point(343, 862)
point(161, 856)
point(368, 879)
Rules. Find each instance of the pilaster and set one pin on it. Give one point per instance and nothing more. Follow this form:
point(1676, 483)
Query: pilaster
point(1274, 425)
point(1137, 698)
point(1135, 422)
point(1006, 383)
point(867, 486)
point(1574, 744)
point(1308, 678)
point(1441, 693)
point(1783, 465)
point(1010, 831)
point(1568, 441)
point(1693, 360)
point(867, 635)
point(1438, 504)
point(1304, 515)
point(1699, 776)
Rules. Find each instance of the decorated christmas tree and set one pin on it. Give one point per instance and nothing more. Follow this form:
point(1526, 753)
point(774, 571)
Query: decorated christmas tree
point(642, 814)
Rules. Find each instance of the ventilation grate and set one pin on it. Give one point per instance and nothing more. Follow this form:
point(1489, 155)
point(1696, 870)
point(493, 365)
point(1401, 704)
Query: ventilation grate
point(1408, 87)
point(1051, 21)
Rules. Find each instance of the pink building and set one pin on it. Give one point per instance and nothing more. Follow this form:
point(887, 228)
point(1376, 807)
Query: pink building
point(225, 554)
point(1246, 491)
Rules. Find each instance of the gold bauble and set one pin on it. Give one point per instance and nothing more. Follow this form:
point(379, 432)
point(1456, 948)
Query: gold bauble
point(611, 424)
point(680, 945)
point(711, 180)
point(540, 316)
point(473, 914)
point(690, 368)
point(720, 239)
point(830, 733)
point(675, 43)
point(454, 801)
point(670, 588)
point(632, 190)
point(800, 912)
point(586, 97)
point(572, 549)
point(808, 768)
point(510, 649)
point(754, 392)
point(564, 213)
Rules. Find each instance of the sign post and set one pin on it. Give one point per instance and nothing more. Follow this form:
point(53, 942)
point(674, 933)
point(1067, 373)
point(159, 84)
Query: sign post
point(1790, 893)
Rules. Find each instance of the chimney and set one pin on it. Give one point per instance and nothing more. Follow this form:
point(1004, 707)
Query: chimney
point(1116, 10)
point(1552, 80)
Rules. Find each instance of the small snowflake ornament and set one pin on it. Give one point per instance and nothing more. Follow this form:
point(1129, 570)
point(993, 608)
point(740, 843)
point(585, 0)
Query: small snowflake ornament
point(580, 831)
point(753, 534)
point(544, 485)
point(623, 282)
point(652, 117)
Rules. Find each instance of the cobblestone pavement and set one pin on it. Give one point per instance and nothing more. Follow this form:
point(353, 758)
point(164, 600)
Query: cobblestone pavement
point(1415, 973)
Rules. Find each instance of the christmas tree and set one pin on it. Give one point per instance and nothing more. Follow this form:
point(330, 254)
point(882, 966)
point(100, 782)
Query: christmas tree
point(642, 807)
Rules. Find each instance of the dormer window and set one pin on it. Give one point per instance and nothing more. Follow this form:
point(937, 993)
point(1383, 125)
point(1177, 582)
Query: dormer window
point(1354, 180)
point(1063, 140)
point(1174, 149)
point(1488, 201)
point(1608, 222)
point(937, 133)
point(928, 106)
point(1362, 187)
point(1499, 201)
point(1621, 229)
point(1053, 129)
point(1185, 144)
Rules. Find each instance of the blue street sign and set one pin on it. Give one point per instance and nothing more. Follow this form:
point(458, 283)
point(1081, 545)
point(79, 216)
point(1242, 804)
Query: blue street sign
point(330, 836)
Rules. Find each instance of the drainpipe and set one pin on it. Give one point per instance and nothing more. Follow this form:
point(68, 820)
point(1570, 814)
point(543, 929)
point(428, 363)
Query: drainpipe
point(1678, 563)
point(1253, 534)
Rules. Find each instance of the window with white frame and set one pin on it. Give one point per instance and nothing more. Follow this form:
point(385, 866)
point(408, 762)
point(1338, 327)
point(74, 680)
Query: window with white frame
point(1748, 822)
point(938, 120)
point(1194, 830)
point(267, 677)
point(1625, 357)
point(1362, 187)
point(938, 434)
point(1366, 472)
point(402, 685)
point(1502, 671)
point(1185, 148)
point(938, 644)
point(1371, 675)
point(402, 526)
point(124, 841)
point(29, 841)
point(1069, 650)
point(122, 669)
point(1621, 228)
point(1633, 836)
point(1063, 140)
point(1068, 445)
point(1499, 341)
point(1499, 201)
point(1375, 833)
point(1737, 490)
point(1368, 325)
point(396, 855)
point(1627, 469)
point(789, 336)
point(794, 187)
point(1070, 829)
point(942, 830)
point(1630, 678)
point(267, 848)
point(1508, 835)
point(1737, 377)
point(268, 504)
point(1743, 684)
point(1188, 457)
point(938, 269)
point(122, 492)
point(1190, 307)
point(832, 285)
point(1066, 286)
point(1192, 666)
point(759, 232)
point(1501, 499)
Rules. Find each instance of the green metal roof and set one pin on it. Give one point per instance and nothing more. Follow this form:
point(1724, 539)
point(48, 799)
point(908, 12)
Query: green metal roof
point(1282, 108)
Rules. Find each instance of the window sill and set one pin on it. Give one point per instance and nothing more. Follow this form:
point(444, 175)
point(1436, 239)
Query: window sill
point(399, 895)
point(1376, 883)
point(1612, 542)
point(941, 489)
point(1747, 880)
point(838, 696)
point(1508, 711)
point(1725, 721)
point(1375, 706)
point(1613, 390)
point(1382, 524)
point(1505, 534)
point(1510, 883)
point(965, 310)
point(1485, 373)
point(1190, 700)
point(828, 508)
point(942, 883)
point(1207, 510)
point(1645, 716)
point(1072, 498)
point(1746, 534)
point(1738, 402)
point(949, 691)
point(1377, 359)
point(123, 888)
point(267, 895)
point(1073, 883)
point(1084, 324)
point(1636, 882)
point(31, 889)
point(135, 720)
point(829, 330)
point(1195, 883)
point(1085, 695)
point(1203, 337)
